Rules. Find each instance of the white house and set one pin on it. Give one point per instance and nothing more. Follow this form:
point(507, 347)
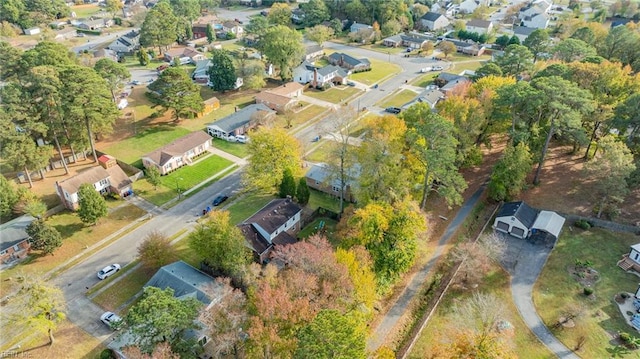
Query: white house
point(355, 27)
point(319, 77)
point(32, 31)
point(468, 6)
point(434, 21)
point(233, 27)
point(520, 220)
point(631, 260)
point(479, 26)
point(537, 21)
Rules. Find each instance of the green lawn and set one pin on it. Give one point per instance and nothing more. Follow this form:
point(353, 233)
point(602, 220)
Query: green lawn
point(247, 206)
point(321, 153)
point(234, 148)
point(424, 80)
point(86, 10)
point(385, 49)
point(328, 227)
point(380, 70)
point(398, 99)
point(321, 199)
point(459, 67)
point(118, 294)
point(298, 118)
point(557, 292)
point(157, 196)
point(188, 176)
point(131, 149)
point(337, 94)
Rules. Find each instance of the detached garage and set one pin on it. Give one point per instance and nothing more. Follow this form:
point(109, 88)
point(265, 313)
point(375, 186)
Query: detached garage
point(520, 220)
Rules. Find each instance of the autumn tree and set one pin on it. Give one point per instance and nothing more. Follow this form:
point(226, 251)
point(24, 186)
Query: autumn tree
point(40, 305)
point(360, 267)
point(113, 7)
point(221, 245)
point(302, 192)
point(319, 34)
point(283, 47)
point(433, 145)
point(160, 317)
point(222, 72)
point(427, 47)
point(610, 171)
point(332, 335)
point(271, 152)
point(43, 237)
point(467, 115)
point(175, 91)
point(92, 206)
point(161, 351)
point(156, 251)
point(509, 175)
point(477, 257)
point(280, 14)
point(447, 48)
point(225, 321)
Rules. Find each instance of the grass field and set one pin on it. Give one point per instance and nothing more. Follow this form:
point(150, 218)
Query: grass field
point(298, 118)
point(379, 71)
point(234, 148)
point(321, 153)
point(131, 149)
point(321, 199)
point(86, 10)
point(558, 292)
point(118, 294)
point(334, 95)
point(398, 99)
point(157, 196)
point(188, 176)
point(424, 80)
point(246, 206)
point(329, 226)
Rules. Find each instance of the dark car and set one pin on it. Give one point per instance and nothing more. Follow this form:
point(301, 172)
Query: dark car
point(218, 200)
point(238, 21)
point(395, 110)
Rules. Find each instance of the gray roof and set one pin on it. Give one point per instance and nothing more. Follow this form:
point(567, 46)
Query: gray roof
point(431, 16)
point(202, 67)
point(240, 118)
point(324, 71)
point(312, 49)
point(13, 232)
point(525, 214)
point(431, 96)
point(274, 214)
point(523, 30)
point(337, 56)
point(319, 172)
point(479, 23)
point(185, 280)
point(178, 147)
point(417, 38)
point(394, 38)
point(448, 77)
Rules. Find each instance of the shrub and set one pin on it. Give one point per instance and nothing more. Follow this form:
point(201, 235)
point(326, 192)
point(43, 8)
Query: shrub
point(625, 337)
point(624, 295)
point(587, 291)
point(583, 224)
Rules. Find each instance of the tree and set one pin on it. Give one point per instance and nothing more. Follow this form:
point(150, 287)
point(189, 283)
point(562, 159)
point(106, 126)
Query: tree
point(43, 237)
point(153, 176)
point(502, 41)
point(186, 9)
point(211, 35)
point(433, 145)
point(610, 170)
point(319, 34)
point(447, 48)
point(279, 14)
point(178, 93)
point(283, 46)
point(40, 306)
point(477, 257)
point(224, 321)
point(160, 317)
point(160, 27)
point(287, 185)
point(115, 73)
point(332, 335)
point(488, 69)
point(466, 114)
point(156, 251)
point(537, 42)
point(427, 48)
point(221, 245)
point(257, 25)
point(510, 173)
point(315, 12)
point(143, 56)
point(8, 196)
point(570, 50)
point(10, 57)
point(113, 7)
point(91, 104)
point(302, 192)
point(627, 117)
point(272, 151)
point(359, 265)
point(92, 205)
point(515, 60)
point(22, 153)
point(252, 71)
point(222, 72)
point(161, 351)
point(358, 12)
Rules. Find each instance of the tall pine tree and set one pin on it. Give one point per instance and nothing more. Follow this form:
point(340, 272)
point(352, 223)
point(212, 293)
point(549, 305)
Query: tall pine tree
point(222, 73)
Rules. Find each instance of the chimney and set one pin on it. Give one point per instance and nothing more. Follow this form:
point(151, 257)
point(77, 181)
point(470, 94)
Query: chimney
point(315, 77)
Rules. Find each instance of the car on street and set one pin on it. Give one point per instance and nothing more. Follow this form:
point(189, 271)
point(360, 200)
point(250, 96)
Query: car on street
point(426, 69)
point(351, 83)
point(408, 49)
point(108, 271)
point(238, 21)
point(219, 200)
point(111, 319)
point(241, 139)
point(438, 68)
point(135, 82)
point(394, 110)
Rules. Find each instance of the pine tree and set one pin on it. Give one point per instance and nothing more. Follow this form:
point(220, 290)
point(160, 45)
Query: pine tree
point(222, 73)
point(143, 57)
point(211, 35)
point(303, 193)
point(288, 184)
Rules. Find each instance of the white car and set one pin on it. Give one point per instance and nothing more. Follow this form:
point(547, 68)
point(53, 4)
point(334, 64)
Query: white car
point(111, 319)
point(437, 68)
point(241, 139)
point(425, 69)
point(108, 271)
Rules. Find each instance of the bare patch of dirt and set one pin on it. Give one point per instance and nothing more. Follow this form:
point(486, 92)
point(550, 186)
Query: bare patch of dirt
point(586, 276)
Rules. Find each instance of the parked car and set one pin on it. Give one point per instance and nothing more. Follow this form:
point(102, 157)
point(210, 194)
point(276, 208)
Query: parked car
point(426, 69)
point(108, 271)
point(438, 68)
point(242, 138)
point(264, 13)
point(351, 83)
point(135, 82)
point(111, 319)
point(219, 200)
point(408, 49)
point(394, 110)
point(162, 67)
point(238, 21)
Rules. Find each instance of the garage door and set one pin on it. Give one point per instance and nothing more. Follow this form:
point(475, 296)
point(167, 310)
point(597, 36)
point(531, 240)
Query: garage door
point(518, 232)
point(502, 226)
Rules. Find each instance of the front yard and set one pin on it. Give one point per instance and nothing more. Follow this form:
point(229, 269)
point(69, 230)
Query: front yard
point(380, 70)
point(131, 150)
point(559, 290)
point(188, 176)
point(398, 99)
point(338, 94)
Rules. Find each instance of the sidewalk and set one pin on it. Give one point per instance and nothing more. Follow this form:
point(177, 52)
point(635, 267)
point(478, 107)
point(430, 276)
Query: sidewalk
point(315, 101)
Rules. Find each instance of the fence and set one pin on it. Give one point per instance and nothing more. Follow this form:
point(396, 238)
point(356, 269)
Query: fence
point(601, 223)
point(319, 212)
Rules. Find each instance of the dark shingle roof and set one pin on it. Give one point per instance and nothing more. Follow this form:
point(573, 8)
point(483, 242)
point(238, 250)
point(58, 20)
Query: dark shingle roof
point(185, 280)
point(240, 118)
point(324, 71)
point(274, 214)
point(13, 232)
point(431, 16)
point(525, 214)
point(178, 147)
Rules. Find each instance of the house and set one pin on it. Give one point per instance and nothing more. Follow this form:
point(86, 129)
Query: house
point(14, 241)
point(538, 21)
point(631, 260)
point(304, 73)
point(349, 62)
point(275, 224)
point(468, 47)
point(281, 99)
point(106, 178)
point(201, 72)
point(414, 40)
point(392, 41)
point(319, 77)
point(448, 81)
point(199, 30)
point(65, 34)
point(210, 105)
point(313, 52)
point(186, 55)
point(32, 31)
point(178, 153)
point(434, 21)
point(187, 281)
point(95, 24)
point(320, 178)
point(468, 6)
point(127, 43)
point(232, 27)
point(479, 26)
point(522, 32)
point(431, 97)
point(241, 121)
point(106, 54)
point(535, 7)
point(355, 27)
point(522, 221)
